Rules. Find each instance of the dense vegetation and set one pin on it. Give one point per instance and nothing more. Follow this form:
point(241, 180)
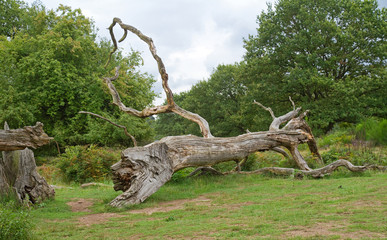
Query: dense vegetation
point(52, 68)
point(329, 56)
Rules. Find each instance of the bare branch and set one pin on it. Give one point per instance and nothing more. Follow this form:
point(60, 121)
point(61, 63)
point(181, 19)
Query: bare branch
point(115, 124)
point(18, 139)
point(281, 151)
point(277, 121)
point(294, 106)
point(171, 105)
point(266, 108)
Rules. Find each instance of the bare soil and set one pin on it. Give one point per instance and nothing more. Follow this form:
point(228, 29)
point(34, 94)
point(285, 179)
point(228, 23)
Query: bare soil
point(173, 205)
point(80, 205)
point(330, 229)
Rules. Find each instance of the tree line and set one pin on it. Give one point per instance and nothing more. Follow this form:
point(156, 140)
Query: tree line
point(328, 56)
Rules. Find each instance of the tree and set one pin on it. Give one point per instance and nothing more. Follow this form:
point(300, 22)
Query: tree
point(11, 18)
point(330, 56)
point(143, 170)
point(51, 70)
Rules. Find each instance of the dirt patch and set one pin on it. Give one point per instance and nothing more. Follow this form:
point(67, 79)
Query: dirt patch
point(237, 206)
point(330, 229)
point(96, 218)
point(80, 205)
point(367, 204)
point(173, 205)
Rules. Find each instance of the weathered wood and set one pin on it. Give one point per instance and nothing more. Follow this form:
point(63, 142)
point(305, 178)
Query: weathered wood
point(143, 170)
point(29, 136)
point(171, 105)
point(18, 175)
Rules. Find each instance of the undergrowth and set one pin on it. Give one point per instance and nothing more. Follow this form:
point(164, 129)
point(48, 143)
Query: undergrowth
point(15, 223)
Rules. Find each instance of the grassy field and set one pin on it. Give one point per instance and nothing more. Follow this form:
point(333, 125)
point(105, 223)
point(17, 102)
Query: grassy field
point(342, 206)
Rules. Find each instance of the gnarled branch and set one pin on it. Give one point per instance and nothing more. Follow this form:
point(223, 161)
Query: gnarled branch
point(171, 105)
point(277, 121)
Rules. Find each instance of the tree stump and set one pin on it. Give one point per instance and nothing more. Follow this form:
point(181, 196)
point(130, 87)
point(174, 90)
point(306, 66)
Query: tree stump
point(18, 176)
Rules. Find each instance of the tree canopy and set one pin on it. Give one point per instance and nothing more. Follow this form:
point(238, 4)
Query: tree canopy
point(52, 68)
point(329, 56)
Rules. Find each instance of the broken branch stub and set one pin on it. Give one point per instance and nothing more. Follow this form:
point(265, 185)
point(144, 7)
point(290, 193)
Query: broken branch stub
point(29, 136)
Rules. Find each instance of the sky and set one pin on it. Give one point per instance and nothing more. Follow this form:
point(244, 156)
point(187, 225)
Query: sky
point(191, 36)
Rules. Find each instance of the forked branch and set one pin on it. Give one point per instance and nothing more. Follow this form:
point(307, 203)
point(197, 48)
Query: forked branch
point(115, 124)
point(171, 105)
point(277, 121)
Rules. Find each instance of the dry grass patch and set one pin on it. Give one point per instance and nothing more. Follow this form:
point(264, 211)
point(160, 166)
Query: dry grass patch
point(330, 229)
point(98, 218)
point(173, 205)
point(80, 204)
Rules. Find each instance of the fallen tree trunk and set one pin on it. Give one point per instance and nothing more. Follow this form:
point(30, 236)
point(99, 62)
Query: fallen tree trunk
point(143, 170)
point(18, 174)
point(29, 136)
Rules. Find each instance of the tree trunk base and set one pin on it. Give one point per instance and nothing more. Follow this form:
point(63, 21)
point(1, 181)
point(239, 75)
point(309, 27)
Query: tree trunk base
point(19, 176)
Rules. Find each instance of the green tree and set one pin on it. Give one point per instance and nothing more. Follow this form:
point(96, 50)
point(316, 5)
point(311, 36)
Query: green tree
point(12, 17)
point(53, 68)
point(216, 99)
point(329, 56)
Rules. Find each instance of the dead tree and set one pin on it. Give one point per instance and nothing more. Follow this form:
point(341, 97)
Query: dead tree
point(29, 136)
point(18, 175)
point(143, 170)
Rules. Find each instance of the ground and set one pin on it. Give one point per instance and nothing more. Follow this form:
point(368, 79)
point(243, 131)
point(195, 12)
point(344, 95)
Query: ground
point(232, 207)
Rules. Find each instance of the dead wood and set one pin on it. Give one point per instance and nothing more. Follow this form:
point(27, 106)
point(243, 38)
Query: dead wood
point(18, 174)
point(143, 170)
point(29, 136)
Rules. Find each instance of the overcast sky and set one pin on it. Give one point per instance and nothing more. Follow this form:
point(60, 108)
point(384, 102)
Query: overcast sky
point(191, 36)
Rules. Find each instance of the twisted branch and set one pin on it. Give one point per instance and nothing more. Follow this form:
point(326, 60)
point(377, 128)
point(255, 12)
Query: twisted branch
point(171, 105)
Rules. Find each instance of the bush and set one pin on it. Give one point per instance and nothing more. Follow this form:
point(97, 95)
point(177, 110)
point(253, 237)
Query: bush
point(372, 129)
point(14, 220)
point(86, 163)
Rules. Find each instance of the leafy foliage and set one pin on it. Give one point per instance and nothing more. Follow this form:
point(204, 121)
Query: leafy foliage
point(15, 223)
point(217, 100)
point(86, 163)
point(52, 68)
point(329, 56)
point(372, 129)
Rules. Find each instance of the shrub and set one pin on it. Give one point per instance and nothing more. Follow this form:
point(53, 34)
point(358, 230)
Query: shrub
point(372, 129)
point(50, 173)
point(14, 220)
point(86, 163)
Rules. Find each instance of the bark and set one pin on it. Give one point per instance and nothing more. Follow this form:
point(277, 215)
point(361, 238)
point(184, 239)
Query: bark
point(29, 136)
point(143, 170)
point(18, 176)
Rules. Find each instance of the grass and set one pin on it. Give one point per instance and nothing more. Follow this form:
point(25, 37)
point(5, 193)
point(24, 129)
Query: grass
point(238, 207)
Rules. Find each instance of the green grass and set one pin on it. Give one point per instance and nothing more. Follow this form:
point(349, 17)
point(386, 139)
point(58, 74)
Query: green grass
point(342, 206)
